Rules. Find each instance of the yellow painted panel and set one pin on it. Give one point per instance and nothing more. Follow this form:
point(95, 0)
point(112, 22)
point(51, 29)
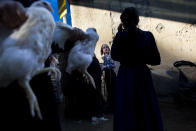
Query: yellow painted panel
point(62, 9)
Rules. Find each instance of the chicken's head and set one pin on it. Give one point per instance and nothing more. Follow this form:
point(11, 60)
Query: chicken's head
point(93, 33)
point(44, 4)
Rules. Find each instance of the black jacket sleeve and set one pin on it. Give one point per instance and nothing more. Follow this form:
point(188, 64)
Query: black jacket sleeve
point(115, 49)
point(153, 55)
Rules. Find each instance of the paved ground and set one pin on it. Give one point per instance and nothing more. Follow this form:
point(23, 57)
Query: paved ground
point(86, 125)
point(178, 118)
point(175, 119)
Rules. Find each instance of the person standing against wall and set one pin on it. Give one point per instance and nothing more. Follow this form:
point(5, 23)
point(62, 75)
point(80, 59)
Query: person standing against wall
point(109, 77)
point(136, 105)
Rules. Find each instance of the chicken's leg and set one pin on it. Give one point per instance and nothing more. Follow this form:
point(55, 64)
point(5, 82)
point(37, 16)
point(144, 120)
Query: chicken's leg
point(90, 78)
point(54, 70)
point(34, 106)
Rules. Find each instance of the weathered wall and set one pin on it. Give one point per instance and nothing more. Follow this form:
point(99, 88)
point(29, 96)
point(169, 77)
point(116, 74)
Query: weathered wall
point(171, 21)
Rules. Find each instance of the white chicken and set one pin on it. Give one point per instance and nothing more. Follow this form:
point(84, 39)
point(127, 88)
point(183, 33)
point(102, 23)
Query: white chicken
point(81, 55)
point(24, 52)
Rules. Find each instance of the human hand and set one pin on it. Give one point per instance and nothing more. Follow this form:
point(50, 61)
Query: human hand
point(120, 28)
point(12, 14)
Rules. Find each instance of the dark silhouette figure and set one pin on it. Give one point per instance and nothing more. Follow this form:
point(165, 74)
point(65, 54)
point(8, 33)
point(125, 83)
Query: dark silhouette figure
point(136, 105)
point(82, 101)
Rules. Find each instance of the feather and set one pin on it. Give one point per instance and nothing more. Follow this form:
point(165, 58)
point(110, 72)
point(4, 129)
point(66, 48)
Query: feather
point(61, 34)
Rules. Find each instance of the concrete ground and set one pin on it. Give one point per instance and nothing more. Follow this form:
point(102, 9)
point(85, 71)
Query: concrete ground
point(175, 119)
point(86, 125)
point(178, 118)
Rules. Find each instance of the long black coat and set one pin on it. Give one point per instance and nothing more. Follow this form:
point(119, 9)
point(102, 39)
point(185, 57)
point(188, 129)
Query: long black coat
point(82, 101)
point(136, 106)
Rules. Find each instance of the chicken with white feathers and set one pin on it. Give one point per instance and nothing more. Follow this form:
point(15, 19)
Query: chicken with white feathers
point(81, 55)
point(24, 52)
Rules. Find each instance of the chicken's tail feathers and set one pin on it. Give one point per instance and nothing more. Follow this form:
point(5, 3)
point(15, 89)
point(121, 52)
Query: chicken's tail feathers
point(61, 34)
point(64, 26)
point(90, 78)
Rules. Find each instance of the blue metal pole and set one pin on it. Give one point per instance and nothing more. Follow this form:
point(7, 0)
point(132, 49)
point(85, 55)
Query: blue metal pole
point(68, 15)
point(55, 8)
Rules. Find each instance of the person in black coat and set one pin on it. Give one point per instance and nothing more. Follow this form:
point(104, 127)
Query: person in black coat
point(136, 105)
point(82, 101)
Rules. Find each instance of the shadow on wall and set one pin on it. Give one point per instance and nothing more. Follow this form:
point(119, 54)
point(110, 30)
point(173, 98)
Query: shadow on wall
point(174, 85)
point(177, 10)
point(165, 82)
